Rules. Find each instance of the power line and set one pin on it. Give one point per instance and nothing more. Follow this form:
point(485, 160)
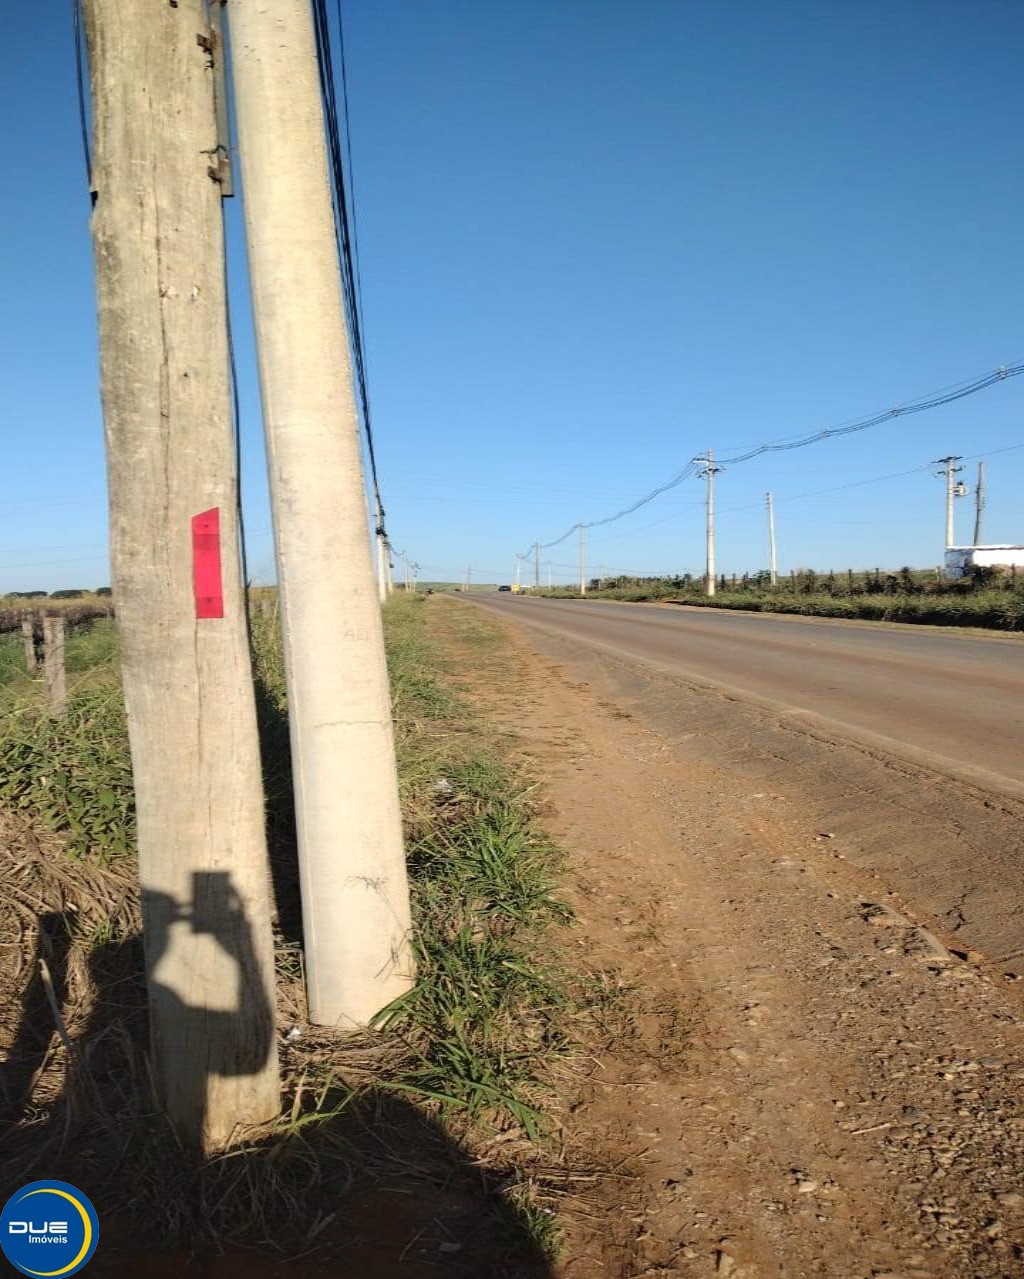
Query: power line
point(76, 22)
point(948, 395)
point(958, 391)
point(345, 222)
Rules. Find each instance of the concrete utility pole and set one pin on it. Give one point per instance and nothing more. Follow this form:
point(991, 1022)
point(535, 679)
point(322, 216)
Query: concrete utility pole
point(469, 577)
point(709, 472)
point(583, 559)
point(773, 563)
point(355, 896)
point(536, 565)
point(519, 565)
point(949, 469)
point(158, 243)
point(549, 575)
point(979, 504)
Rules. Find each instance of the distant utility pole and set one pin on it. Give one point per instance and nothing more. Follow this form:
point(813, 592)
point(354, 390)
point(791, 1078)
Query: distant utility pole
point(536, 565)
point(389, 574)
point(382, 553)
point(549, 575)
point(158, 240)
point(709, 472)
point(355, 896)
point(519, 565)
point(773, 563)
point(583, 558)
point(469, 577)
point(979, 504)
point(953, 490)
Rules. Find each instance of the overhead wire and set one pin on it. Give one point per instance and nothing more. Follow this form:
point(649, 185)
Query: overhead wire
point(342, 187)
point(958, 392)
point(83, 119)
point(948, 395)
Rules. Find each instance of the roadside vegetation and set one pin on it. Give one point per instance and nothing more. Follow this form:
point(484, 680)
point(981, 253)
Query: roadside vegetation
point(468, 1061)
point(988, 599)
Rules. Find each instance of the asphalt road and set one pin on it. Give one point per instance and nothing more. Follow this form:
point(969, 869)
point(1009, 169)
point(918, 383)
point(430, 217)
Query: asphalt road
point(947, 699)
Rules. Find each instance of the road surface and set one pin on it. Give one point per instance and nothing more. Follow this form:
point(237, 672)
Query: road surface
point(949, 699)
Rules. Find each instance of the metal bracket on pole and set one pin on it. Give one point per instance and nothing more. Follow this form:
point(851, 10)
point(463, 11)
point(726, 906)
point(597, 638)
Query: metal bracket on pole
point(212, 43)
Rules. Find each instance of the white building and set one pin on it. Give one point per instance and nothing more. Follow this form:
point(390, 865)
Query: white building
point(960, 560)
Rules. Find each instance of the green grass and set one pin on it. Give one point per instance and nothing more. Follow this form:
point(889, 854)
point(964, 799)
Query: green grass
point(72, 774)
point(996, 608)
point(12, 660)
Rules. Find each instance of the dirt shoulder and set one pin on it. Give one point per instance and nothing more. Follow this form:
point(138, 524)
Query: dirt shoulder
point(844, 1097)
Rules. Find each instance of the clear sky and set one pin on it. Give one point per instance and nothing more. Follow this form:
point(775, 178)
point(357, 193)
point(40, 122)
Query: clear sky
point(596, 238)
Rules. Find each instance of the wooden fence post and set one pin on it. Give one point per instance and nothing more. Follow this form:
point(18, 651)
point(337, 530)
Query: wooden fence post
point(53, 664)
point(28, 631)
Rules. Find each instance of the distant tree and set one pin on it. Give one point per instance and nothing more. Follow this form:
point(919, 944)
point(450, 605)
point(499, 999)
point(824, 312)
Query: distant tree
point(28, 595)
point(103, 590)
point(68, 595)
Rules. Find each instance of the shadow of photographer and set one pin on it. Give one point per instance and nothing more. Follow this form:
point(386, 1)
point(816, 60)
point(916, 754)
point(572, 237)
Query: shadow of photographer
point(362, 1184)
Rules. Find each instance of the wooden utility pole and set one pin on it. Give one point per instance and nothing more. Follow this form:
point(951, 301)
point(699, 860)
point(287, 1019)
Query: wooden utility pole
point(158, 244)
point(355, 896)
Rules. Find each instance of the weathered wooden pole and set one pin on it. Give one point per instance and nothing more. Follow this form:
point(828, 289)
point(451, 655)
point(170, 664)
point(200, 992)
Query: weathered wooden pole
point(54, 670)
point(158, 243)
point(28, 633)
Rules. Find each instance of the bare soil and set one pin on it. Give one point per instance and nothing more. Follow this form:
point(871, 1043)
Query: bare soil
point(842, 1096)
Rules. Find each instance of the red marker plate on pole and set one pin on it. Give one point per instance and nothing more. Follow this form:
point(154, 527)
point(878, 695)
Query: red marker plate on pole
point(207, 584)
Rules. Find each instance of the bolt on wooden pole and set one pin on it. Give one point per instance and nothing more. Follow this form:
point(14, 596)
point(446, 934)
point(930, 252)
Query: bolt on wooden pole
point(158, 244)
point(54, 671)
point(355, 897)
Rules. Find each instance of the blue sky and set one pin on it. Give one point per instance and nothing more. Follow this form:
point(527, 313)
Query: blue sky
point(596, 238)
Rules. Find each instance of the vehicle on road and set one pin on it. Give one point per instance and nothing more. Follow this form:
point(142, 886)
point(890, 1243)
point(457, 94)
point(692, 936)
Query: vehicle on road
point(504, 588)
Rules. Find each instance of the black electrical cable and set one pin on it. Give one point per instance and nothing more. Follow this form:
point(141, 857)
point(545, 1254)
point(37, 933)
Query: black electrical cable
point(344, 208)
point(83, 119)
point(950, 395)
point(961, 391)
